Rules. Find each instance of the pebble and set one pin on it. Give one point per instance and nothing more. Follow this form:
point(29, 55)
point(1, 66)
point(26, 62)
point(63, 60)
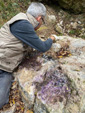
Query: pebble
point(79, 22)
point(61, 23)
point(74, 25)
point(51, 18)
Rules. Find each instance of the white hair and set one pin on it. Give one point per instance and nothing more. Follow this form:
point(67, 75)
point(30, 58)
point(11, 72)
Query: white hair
point(36, 9)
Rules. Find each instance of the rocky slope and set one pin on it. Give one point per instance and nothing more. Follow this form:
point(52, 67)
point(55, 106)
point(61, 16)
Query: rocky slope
point(53, 82)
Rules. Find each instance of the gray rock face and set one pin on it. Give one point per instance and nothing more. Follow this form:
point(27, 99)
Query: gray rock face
point(10, 110)
point(74, 67)
point(75, 6)
point(55, 86)
point(59, 29)
point(46, 87)
point(51, 18)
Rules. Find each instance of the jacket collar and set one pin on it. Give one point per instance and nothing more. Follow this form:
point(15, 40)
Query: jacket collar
point(32, 20)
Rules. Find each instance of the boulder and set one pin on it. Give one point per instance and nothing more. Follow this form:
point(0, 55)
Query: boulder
point(47, 89)
point(9, 110)
point(51, 18)
point(74, 67)
point(59, 29)
point(55, 86)
point(75, 6)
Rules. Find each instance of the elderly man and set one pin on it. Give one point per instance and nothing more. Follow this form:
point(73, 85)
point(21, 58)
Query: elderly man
point(17, 37)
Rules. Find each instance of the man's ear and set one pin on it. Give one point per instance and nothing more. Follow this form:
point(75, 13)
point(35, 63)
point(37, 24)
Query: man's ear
point(38, 18)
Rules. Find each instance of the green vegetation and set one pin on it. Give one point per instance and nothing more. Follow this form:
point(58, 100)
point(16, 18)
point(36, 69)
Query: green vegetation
point(75, 32)
point(72, 32)
point(9, 8)
point(83, 36)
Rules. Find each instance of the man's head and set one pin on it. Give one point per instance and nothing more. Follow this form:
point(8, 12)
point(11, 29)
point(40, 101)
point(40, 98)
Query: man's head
point(37, 10)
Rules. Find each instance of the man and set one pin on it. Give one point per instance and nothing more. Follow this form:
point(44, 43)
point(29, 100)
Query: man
point(17, 36)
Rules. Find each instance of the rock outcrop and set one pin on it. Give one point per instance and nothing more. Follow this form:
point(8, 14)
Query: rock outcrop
point(75, 6)
point(52, 85)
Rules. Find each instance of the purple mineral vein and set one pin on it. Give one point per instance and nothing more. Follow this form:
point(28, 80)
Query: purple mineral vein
point(54, 88)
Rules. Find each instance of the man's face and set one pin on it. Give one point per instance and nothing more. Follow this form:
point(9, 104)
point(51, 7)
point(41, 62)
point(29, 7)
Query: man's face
point(40, 19)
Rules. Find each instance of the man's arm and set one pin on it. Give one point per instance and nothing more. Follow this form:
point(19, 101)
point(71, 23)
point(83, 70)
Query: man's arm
point(24, 31)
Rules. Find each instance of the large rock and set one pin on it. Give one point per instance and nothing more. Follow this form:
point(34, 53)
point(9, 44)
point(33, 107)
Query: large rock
point(51, 18)
point(59, 29)
point(9, 110)
point(75, 6)
point(74, 67)
point(46, 90)
point(55, 86)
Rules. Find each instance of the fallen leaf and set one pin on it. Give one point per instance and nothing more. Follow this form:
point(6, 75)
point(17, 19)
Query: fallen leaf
point(69, 54)
point(42, 28)
point(22, 108)
point(13, 101)
point(60, 56)
point(29, 111)
point(76, 70)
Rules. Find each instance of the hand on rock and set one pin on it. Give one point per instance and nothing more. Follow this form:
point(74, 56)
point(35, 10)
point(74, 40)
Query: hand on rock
point(54, 37)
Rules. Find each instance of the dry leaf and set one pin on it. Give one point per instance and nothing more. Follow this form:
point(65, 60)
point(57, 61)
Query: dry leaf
point(42, 28)
point(60, 56)
point(69, 54)
point(13, 101)
point(29, 111)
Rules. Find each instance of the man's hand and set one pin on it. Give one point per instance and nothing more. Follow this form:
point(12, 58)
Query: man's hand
point(54, 37)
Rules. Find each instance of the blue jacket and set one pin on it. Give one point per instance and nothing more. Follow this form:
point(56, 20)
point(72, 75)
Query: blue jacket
point(24, 31)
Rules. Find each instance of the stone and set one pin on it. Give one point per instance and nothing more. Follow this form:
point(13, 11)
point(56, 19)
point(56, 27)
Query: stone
point(58, 86)
point(41, 108)
point(74, 67)
point(79, 22)
point(56, 47)
point(51, 18)
point(74, 25)
point(77, 46)
point(10, 110)
point(61, 22)
point(32, 87)
point(59, 29)
point(26, 88)
point(75, 6)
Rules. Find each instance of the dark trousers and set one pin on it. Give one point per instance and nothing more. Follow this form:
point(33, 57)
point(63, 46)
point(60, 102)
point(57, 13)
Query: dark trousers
point(5, 84)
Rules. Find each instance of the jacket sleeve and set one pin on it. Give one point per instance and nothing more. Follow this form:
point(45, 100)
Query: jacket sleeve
point(24, 31)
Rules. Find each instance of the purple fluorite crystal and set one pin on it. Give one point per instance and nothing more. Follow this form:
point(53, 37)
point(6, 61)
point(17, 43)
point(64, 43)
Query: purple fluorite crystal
point(53, 88)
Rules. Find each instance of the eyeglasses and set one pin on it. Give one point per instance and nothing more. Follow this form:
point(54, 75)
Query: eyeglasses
point(43, 20)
